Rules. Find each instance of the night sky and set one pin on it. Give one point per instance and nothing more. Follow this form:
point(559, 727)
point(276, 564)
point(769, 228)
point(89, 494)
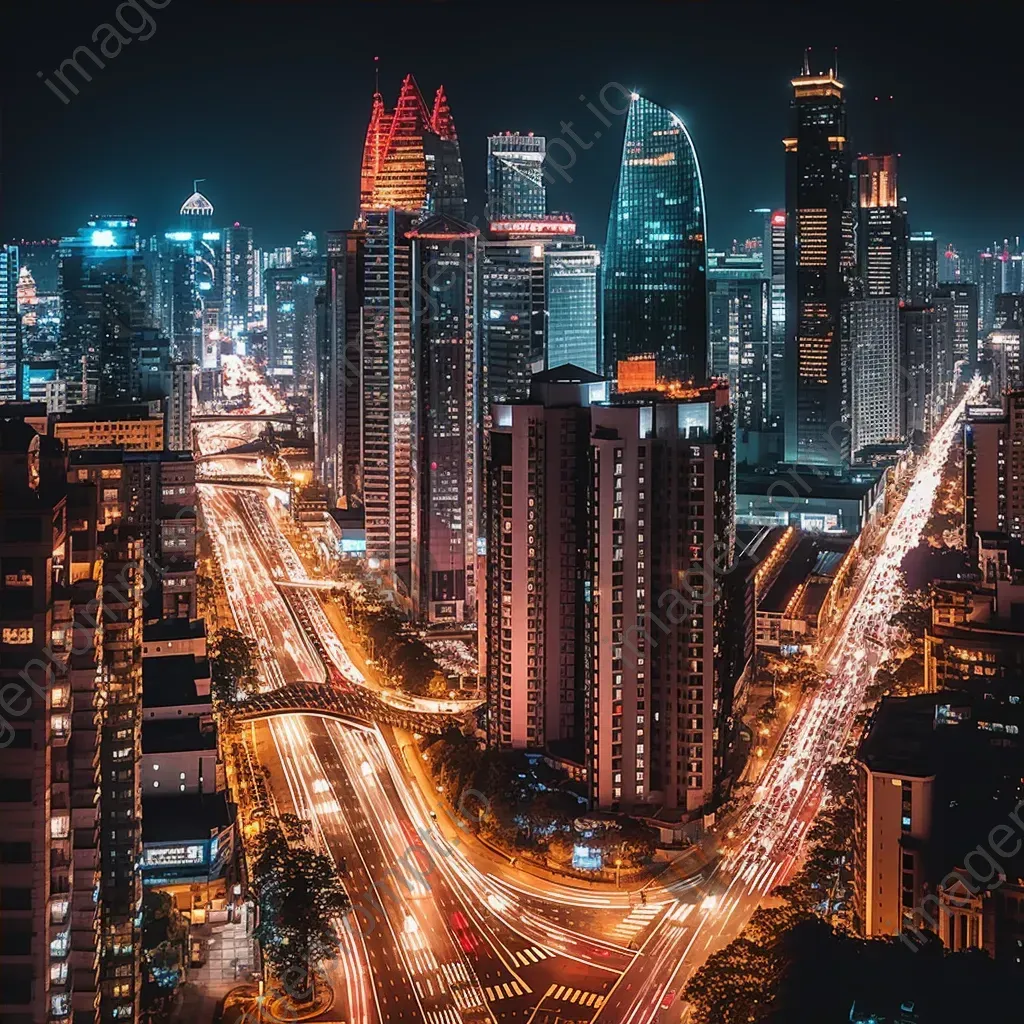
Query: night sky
point(269, 102)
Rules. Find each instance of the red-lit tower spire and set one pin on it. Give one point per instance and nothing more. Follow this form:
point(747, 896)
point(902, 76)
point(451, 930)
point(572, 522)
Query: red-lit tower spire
point(441, 121)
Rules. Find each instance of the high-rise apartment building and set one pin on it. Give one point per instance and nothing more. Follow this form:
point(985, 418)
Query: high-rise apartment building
point(922, 267)
point(515, 177)
point(994, 470)
point(444, 329)
point(11, 354)
point(655, 281)
point(817, 215)
point(874, 329)
point(291, 321)
point(573, 306)
point(603, 521)
point(951, 267)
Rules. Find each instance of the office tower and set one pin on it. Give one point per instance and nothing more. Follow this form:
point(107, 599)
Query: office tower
point(444, 330)
point(411, 168)
point(239, 267)
point(739, 337)
point(1008, 312)
point(99, 269)
point(411, 158)
point(592, 515)
point(27, 295)
point(951, 270)
point(1003, 350)
point(964, 297)
point(337, 385)
point(389, 429)
point(775, 265)
point(1011, 263)
point(817, 206)
point(994, 469)
point(515, 177)
point(882, 234)
point(291, 321)
point(42, 258)
point(11, 355)
point(572, 291)
point(926, 366)
point(922, 267)
point(874, 372)
point(513, 304)
point(988, 275)
point(655, 286)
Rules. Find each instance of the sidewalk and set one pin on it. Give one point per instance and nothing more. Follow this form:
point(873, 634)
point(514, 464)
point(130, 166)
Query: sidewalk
point(688, 862)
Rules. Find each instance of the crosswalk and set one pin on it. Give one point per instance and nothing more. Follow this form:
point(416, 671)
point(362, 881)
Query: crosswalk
point(531, 955)
point(506, 990)
point(637, 920)
point(577, 996)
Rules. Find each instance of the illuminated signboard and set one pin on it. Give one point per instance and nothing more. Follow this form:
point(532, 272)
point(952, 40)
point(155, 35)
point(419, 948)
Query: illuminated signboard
point(174, 856)
point(533, 227)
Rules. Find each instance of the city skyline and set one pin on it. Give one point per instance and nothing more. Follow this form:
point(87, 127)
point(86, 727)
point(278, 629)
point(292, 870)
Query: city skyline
point(730, 94)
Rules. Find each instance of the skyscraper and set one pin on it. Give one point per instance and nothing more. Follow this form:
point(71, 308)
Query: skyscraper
point(874, 371)
point(817, 209)
point(655, 285)
point(411, 157)
point(238, 279)
point(926, 365)
point(965, 319)
point(882, 234)
point(922, 267)
point(444, 327)
point(988, 275)
point(571, 276)
point(10, 325)
point(776, 253)
point(411, 168)
point(515, 178)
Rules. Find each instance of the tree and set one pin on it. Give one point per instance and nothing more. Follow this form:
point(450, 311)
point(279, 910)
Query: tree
point(233, 666)
point(734, 986)
point(300, 900)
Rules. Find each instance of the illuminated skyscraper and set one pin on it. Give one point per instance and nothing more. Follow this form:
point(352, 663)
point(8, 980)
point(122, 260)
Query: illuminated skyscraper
point(571, 276)
point(817, 207)
point(515, 177)
point(411, 158)
point(655, 287)
point(922, 267)
point(10, 325)
point(238, 281)
point(883, 228)
point(444, 258)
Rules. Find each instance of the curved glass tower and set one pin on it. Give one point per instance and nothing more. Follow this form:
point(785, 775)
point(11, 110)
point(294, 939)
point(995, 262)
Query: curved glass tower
point(655, 291)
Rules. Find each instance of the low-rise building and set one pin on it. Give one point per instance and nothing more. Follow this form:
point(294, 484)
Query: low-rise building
point(134, 427)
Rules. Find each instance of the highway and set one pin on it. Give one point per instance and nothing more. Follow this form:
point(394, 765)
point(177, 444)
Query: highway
point(440, 933)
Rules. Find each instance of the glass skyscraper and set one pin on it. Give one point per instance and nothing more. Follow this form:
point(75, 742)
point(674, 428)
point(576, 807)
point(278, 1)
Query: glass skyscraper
point(571, 282)
point(515, 177)
point(655, 288)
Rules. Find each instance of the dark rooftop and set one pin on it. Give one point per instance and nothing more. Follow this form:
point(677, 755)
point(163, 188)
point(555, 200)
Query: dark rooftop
point(171, 680)
point(104, 413)
point(167, 735)
point(174, 629)
point(184, 817)
point(785, 488)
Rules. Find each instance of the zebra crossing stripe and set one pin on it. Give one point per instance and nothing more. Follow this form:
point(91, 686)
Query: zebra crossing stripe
point(515, 988)
point(490, 995)
point(558, 994)
point(598, 1002)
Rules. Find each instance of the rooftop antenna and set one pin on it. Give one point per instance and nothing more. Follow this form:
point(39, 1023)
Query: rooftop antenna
point(196, 182)
point(835, 61)
point(376, 75)
point(807, 60)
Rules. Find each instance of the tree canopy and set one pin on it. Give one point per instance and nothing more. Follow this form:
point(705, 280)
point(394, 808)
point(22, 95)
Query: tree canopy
point(233, 665)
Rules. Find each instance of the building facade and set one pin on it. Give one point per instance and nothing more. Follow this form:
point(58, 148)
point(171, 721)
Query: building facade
point(655, 283)
point(515, 177)
point(817, 210)
point(573, 306)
